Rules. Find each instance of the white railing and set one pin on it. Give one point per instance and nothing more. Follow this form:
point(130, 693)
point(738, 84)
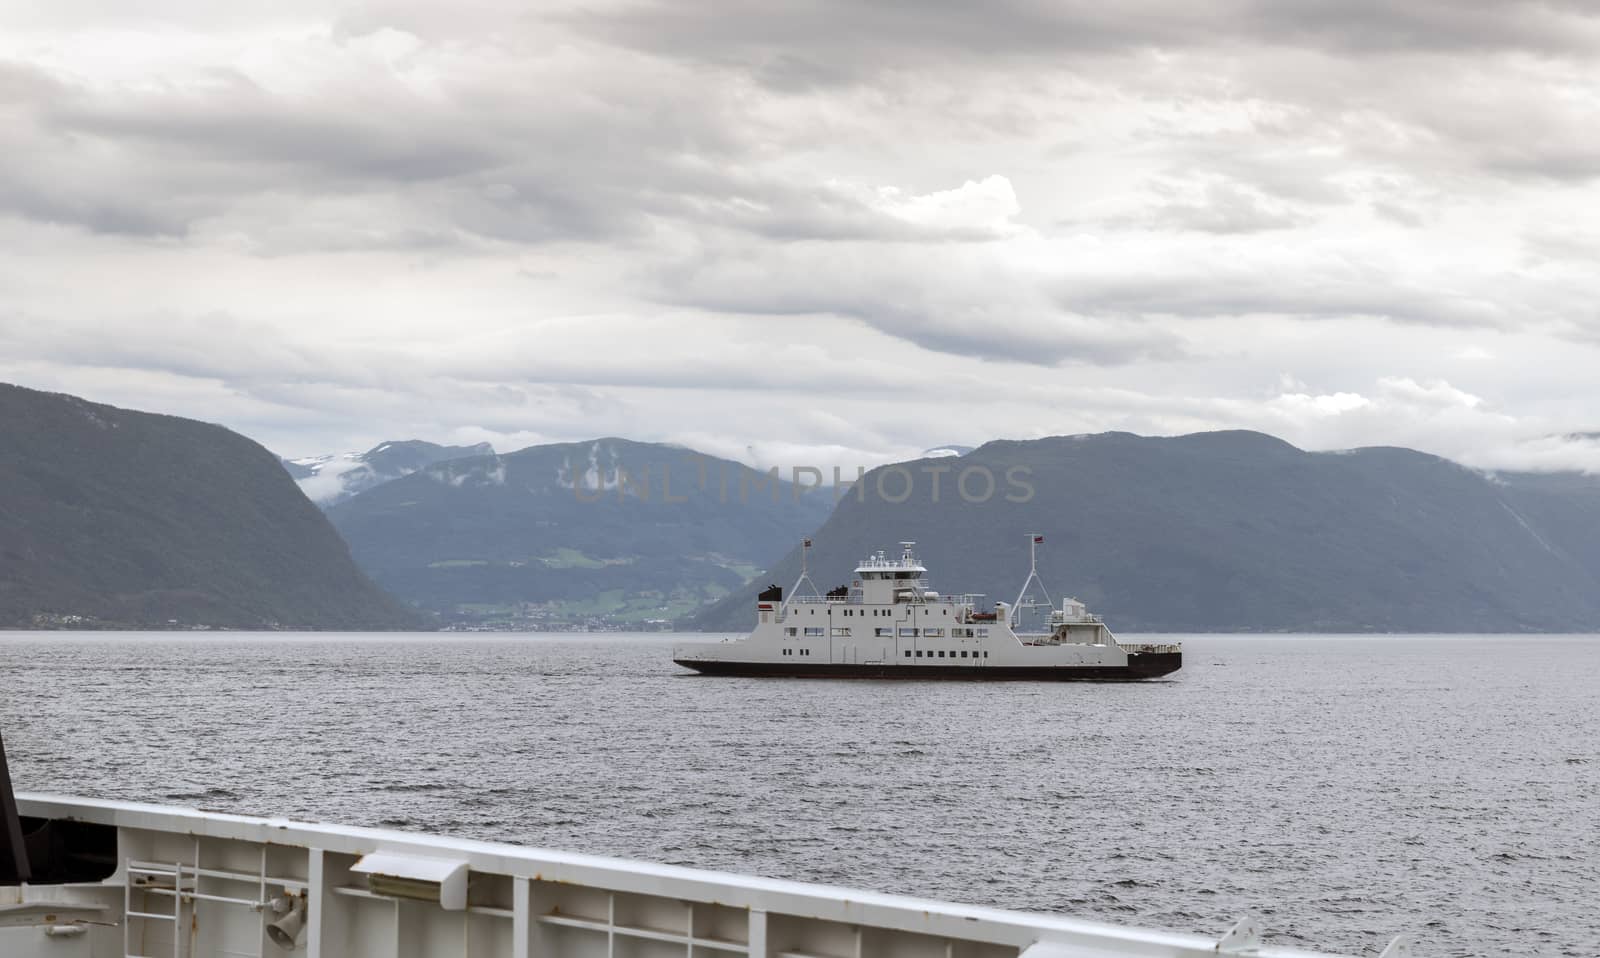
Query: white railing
point(890, 565)
point(527, 903)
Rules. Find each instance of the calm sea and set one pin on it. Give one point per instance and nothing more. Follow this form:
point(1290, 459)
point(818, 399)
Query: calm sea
point(1342, 788)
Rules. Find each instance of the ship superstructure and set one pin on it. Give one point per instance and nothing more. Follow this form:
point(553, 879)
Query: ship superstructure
point(889, 624)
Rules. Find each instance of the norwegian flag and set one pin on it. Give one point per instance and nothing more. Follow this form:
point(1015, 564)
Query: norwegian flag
point(1038, 538)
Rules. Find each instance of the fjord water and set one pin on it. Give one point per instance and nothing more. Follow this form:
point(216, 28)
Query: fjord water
point(1342, 788)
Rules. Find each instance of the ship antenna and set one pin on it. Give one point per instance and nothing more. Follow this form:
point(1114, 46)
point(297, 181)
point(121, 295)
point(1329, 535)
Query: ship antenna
point(805, 577)
point(1034, 542)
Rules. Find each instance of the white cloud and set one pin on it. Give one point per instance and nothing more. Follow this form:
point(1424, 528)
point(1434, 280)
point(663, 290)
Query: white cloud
point(976, 208)
point(1437, 393)
point(1328, 405)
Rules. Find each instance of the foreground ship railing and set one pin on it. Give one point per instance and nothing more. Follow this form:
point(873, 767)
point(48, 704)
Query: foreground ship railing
point(190, 883)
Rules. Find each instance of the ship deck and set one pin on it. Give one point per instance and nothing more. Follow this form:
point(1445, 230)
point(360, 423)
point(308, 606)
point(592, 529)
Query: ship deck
point(195, 884)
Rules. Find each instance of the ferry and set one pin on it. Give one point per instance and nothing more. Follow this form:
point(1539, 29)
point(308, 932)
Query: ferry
point(888, 624)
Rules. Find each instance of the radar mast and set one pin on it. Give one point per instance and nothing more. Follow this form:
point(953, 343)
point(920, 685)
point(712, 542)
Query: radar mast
point(1034, 541)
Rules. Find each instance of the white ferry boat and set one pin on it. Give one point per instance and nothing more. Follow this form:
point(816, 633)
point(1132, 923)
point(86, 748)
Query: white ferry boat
point(889, 625)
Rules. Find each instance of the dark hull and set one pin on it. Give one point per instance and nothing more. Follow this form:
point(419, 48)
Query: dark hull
point(1143, 665)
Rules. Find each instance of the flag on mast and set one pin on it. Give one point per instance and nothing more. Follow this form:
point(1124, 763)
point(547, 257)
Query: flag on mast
point(1038, 538)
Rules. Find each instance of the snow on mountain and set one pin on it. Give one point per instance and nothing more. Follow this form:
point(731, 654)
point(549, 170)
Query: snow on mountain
point(940, 452)
point(330, 479)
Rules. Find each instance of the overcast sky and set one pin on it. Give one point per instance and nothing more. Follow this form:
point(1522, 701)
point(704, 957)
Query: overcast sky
point(812, 232)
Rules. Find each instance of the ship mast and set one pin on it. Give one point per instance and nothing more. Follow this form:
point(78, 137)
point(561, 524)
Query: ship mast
point(1034, 541)
point(805, 577)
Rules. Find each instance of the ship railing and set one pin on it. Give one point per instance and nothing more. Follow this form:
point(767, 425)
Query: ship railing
point(1157, 647)
point(371, 893)
point(901, 565)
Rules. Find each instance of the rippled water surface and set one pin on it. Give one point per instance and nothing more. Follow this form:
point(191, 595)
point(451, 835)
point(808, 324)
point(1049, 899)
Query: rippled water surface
point(1344, 789)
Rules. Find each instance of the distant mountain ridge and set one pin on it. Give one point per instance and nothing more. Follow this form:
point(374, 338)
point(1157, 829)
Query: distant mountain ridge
point(598, 533)
point(327, 480)
point(1238, 531)
point(116, 518)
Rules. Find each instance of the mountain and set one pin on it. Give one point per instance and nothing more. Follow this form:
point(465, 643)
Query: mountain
point(330, 479)
point(115, 518)
point(1233, 531)
point(602, 533)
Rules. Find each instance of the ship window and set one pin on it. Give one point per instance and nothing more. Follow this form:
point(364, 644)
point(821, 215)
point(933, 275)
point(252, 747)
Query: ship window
point(944, 611)
point(963, 653)
point(789, 631)
point(912, 633)
point(883, 633)
point(908, 653)
point(985, 654)
point(813, 631)
point(842, 633)
point(919, 653)
point(941, 653)
point(983, 633)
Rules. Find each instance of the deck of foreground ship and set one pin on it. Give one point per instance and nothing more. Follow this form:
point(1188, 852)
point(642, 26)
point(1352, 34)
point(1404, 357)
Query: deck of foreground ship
point(197, 884)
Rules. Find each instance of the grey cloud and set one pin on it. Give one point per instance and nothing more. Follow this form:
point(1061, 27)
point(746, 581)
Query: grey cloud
point(1395, 213)
point(238, 122)
point(1560, 244)
point(1274, 290)
point(1498, 114)
point(216, 346)
point(1225, 207)
point(801, 45)
point(38, 165)
point(264, 361)
point(949, 304)
point(1560, 161)
point(23, 85)
point(1432, 25)
point(483, 161)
